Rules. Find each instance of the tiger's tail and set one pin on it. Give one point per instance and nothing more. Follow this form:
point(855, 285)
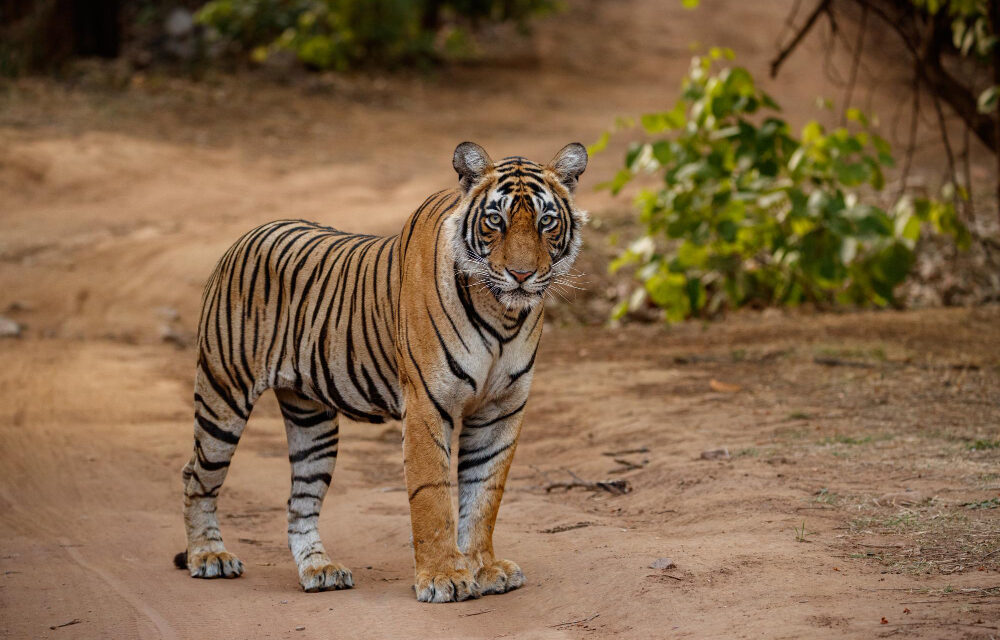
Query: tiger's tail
point(181, 560)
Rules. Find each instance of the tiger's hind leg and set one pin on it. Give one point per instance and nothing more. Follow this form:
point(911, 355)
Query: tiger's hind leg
point(313, 437)
point(220, 416)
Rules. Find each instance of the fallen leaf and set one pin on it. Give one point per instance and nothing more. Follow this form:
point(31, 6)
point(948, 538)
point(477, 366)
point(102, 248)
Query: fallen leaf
point(724, 387)
point(906, 610)
point(884, 621)
point(836, 569)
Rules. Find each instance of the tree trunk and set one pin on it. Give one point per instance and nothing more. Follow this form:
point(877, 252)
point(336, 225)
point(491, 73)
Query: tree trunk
point(40, 35)
point(995, 20)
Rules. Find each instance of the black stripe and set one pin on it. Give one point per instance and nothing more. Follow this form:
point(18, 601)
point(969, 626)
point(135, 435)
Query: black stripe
point(456, 368)
point(429, 485)
point(437, 405)
point(325, 478)
point(220, 391)
point(309, 421)
point(470, 463)
point(204, 462)
point(498, 419)
point(201, 401)
point(215, 431)
point(302, 455)
point(531, 363)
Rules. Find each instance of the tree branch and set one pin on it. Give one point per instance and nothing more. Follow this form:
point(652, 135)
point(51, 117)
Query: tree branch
point(799, 35)
point(855, 64)
point(940, 83)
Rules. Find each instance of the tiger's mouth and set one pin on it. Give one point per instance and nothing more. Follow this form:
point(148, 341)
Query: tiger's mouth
point(519, 297)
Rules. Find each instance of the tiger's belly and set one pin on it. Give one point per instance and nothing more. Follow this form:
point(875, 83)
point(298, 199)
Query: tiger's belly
point(360, 386)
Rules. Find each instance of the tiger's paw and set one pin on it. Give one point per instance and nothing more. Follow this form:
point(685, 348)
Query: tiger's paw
point(447, 586)
point(325, 577)
point(500, 576)
point(214, 564)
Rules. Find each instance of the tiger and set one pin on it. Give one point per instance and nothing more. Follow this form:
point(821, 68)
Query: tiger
point(437, 326)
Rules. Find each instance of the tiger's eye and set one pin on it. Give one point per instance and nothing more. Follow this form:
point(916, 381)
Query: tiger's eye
point(547, 220)
point(495, 219)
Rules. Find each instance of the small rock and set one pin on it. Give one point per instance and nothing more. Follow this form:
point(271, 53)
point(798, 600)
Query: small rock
point(715, 454)
point(300, 628)
point(179, 28)
point(662, 563)
point(167, 313)
point(170, 335)
point(10, 328)
point(19, 305)
point(179, 23)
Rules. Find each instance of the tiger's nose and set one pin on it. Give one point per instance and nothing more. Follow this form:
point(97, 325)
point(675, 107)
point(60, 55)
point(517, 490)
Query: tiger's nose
point(520, 276)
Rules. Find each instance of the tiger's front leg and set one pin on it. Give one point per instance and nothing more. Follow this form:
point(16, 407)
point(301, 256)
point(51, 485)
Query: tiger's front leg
point(442, 571)
point(486, 449)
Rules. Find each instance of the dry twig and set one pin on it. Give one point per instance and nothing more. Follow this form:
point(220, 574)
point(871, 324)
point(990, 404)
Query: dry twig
point(572, 622)
point(614, 487)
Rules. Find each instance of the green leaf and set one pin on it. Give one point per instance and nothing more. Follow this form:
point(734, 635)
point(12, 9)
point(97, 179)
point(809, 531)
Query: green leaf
point(874, 223)
point(852, 174)
point(911, 228)
point(812, 132)
point(601, 144)
point(632, 155)
point(676, 117)
point(653, 122)
point(615, 185)
point(748, 213)
point(893, 264)
point(855, 115)
point(987, 102)
point(662, 152)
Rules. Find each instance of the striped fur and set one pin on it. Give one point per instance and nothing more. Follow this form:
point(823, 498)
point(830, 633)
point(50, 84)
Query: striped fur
point(437, 326)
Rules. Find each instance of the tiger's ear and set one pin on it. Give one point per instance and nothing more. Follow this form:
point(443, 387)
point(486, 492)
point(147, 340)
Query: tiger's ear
point(569, 163)
point(470, 161)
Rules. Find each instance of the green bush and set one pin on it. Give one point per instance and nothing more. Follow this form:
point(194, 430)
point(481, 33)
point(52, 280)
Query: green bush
point(749, 214)
point(342, 34)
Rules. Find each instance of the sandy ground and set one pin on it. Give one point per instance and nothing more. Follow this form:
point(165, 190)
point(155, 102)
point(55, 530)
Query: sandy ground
point(858, 498)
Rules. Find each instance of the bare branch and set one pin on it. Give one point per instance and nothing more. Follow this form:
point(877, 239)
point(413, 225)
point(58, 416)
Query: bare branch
point(855, 63)
point(940, 83)
point(822, 7)
point(947, 144)
point(912, 144)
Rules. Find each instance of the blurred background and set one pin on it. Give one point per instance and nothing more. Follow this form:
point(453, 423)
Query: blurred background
point(784, 326)
point(837, 155)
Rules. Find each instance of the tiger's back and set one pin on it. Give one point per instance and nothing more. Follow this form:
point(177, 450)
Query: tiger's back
point(296, 305)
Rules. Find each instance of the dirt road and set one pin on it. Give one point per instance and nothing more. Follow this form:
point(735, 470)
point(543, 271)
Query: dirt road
point(874, 459)
point(860, 481)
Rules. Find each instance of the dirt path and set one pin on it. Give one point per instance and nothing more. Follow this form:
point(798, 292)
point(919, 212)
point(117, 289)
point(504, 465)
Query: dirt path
point(873, 458)
point(115, 205)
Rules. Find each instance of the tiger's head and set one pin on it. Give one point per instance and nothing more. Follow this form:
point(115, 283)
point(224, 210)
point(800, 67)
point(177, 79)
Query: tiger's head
point(517, 229)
